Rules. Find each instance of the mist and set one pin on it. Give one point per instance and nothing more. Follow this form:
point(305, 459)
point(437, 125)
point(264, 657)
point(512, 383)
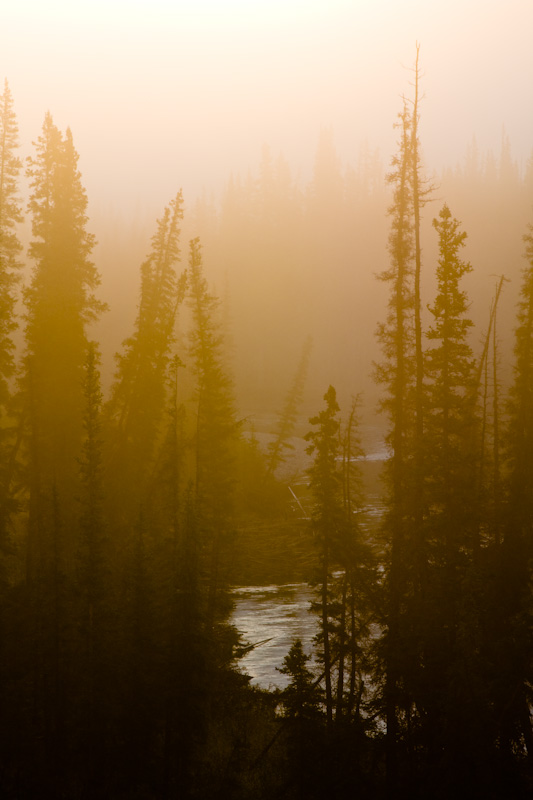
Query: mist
point(266, 334)
point(185, 94)
point(191, 95)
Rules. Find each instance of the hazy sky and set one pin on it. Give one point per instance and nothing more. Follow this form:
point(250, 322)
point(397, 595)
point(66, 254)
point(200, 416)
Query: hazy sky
point(167, 93)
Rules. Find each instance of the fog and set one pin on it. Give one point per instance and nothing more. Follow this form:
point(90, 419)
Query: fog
point(207, 95)
point(204, 384)
point(183, 93)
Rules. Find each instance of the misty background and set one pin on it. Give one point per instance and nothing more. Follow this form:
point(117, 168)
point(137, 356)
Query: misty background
point(277, 120)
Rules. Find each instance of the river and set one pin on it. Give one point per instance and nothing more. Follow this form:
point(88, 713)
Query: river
point(272, 617)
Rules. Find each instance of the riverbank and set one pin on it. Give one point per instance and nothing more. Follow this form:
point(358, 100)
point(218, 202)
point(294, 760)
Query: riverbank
point(279, 550)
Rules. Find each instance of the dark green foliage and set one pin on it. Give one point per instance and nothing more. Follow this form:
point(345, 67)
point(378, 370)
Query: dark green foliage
point(521, 406)
point(10, 248)
point(215, 432)
point(303, 730)
point(345, 569)
point(138, 396)
point(450, 422)
point(512, 602)
point(301, 698)
point(95, 597)
point(449, 592)
point(328, 517)
point(60, 303)
point(92, 540)
point(398, 374)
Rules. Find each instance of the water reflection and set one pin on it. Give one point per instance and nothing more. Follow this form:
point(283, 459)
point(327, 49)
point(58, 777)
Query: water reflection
point(274, 616)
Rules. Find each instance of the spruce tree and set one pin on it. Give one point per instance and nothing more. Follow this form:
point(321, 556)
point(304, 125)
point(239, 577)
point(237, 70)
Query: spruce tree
point(302, 727)
point(449, 613)
point(420, 191)
point(521, 408)
point(397, 374)
point(93, 578)
point(138, 397)
point(92, 522)
point(60, 305)
point(202, 610)
point(327, 518)
point(10, 248)
point(402, 373)
point(216, 429)
point(512, 606)
point(450, 373)
point(355, 584)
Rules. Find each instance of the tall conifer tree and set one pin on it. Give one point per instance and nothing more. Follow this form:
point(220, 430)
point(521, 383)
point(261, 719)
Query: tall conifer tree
point(450, 371)
point(515, 562)
point(328, 517)
point(138, 396)
point(521, 406)
point(60, 305)
point(397, 373)
point(450, 487)
point(10, 248)
point(93, 581)
point(216, 427)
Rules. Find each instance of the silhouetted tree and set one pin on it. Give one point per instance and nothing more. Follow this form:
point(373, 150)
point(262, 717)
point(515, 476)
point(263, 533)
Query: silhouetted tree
point(451, 495)
point(216, 429)
point(138, 395)
point(513, 602)
point(327, 517)
point(450, 371)
point(302, 726)
point(356, 581)
point(521, 406)
point(60, 305)
point(397, 373)
point(10, 248)
point(93, 581)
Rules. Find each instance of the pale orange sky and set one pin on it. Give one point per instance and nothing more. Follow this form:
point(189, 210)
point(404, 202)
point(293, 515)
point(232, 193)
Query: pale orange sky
point(167, 93)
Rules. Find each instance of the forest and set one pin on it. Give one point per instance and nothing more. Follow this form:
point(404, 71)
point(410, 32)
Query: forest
point(139, 484)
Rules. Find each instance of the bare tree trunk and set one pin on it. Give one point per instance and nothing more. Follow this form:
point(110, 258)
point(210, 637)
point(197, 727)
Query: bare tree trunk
point(325, 632)
point(342, 644)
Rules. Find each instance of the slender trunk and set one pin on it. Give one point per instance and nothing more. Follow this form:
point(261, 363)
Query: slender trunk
point(325, 632)
point(496, 437)
point(353, 653)
point(169, 759)
point(419, 392)
point(482, 374)
point(419, 356)
point(342, 641)
point(398, 490)
point(58, 697)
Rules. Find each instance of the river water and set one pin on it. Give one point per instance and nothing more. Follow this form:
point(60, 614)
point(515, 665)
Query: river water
point(272, 617)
